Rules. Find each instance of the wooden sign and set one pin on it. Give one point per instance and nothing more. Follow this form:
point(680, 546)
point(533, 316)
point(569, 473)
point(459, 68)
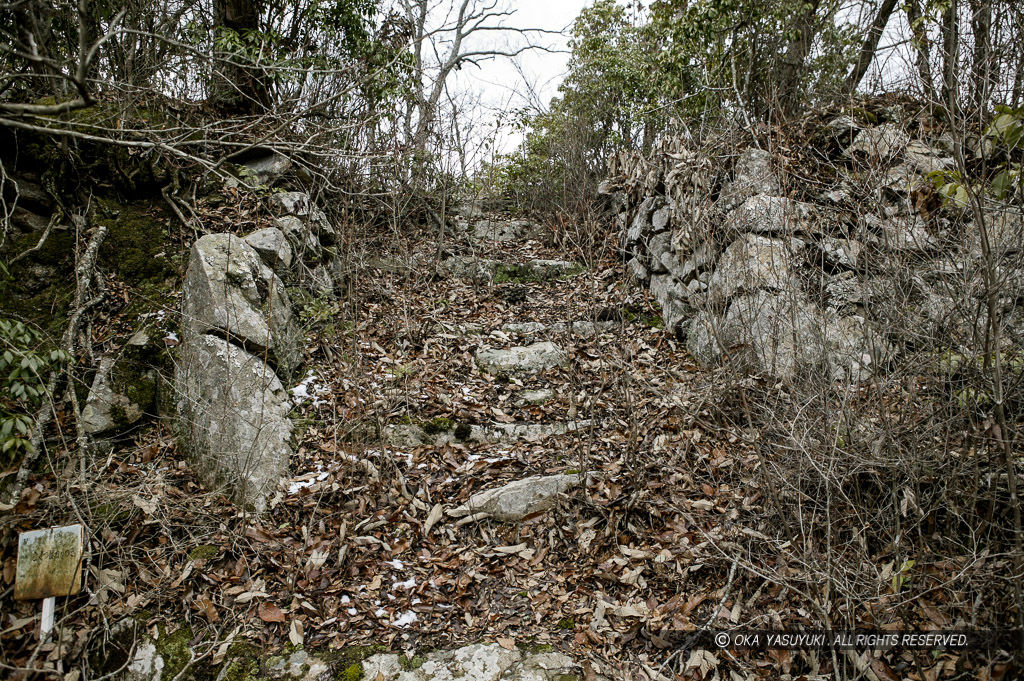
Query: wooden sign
point(49, 563)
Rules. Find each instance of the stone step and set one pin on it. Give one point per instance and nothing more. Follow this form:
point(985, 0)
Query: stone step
point(501, 230)
point(518, 499)
point(521, 358)
point(501, 272)
point(441, 432)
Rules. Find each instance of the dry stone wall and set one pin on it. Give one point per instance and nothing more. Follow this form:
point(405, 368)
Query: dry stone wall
point(838, 275)
point(241, 345)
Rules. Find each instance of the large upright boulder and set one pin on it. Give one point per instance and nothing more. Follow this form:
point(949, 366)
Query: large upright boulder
point(230, 292)
point(232, 418)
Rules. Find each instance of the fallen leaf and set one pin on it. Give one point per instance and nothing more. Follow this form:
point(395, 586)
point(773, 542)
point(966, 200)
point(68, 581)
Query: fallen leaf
point(295, 634)
point(269, 612)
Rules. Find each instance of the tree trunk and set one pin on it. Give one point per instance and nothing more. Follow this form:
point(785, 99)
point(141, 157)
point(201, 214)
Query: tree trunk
point(981, 25)
point(237, 87)
point(950, 50)
point(922, 45)
point(867, 50)
point(792, 69)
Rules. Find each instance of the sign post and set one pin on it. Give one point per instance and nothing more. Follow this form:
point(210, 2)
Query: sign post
point(49, 565)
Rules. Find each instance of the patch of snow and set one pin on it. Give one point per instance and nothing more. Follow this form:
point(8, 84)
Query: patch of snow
point(309, 389)
point(307, 480)
point(407, 584)
point(405, 619)
point(397, 564)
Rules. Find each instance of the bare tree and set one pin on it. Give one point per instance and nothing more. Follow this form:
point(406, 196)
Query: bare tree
point(443, 45)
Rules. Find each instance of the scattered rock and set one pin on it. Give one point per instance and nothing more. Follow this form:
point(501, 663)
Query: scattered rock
point(531, 358)
point(299, 235)
point(477, 662)
point(268, 168)
point(405, 435)
point(504, 230)
point(301, 205)
point(881, 143)
point(123, 390)
point(585, 329)
point(926, 159)
point(536, 396)
point(518, 499)
point(503, 272)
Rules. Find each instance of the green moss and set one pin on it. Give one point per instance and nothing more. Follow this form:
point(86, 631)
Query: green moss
point(409, 663)
point(353, 672)
point(348, 662)
point(204, 552)
point(438, 425)
point(566, 623)
point(40, 286)
point(137, 244)
point(175, 649)
point(511, 273)
point(241, 669)
point(654, 322)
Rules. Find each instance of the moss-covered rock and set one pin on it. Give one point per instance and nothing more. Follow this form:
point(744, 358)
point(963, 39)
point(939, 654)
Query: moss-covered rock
point(175, 649)
point(138, 245)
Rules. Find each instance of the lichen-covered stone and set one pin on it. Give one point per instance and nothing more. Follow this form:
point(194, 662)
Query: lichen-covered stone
point(232, 418)
point(753, 175)
point(530, 358)
point(230, 291)
point(750, 263)
point(765, 214)
point(301, 205)
point(272, 246)
point(881, 143)
point(476, 662)
point(123, 390)
point(518, 499)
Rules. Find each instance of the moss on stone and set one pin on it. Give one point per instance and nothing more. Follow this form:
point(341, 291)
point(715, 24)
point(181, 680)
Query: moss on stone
point(41, 286)
point(175, 649)
point(409, 663)
point(347, 663)
point(137, 245)
point(241, 669)
point(566, 623)
point(515, 274)
point(438, 425)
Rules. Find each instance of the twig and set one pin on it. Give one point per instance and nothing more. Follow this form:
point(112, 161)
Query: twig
point(42, 240)
point(84, 270)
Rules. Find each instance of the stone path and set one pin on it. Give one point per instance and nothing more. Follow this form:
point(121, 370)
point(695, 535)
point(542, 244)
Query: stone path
point(522, 352)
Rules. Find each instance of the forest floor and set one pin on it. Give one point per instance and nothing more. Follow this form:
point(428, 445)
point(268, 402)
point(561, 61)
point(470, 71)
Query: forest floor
point(667, 538)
